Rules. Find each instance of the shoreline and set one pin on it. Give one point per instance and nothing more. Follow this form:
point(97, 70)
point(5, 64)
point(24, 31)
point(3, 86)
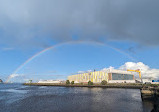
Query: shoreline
point(128, 86)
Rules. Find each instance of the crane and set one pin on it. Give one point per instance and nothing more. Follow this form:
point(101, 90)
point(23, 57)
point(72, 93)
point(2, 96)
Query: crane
point(138, 70)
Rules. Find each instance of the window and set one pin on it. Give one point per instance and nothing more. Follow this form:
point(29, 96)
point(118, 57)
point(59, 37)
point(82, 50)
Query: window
point(116, 76)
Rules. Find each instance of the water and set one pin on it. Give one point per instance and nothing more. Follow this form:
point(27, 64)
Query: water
point(20, 98)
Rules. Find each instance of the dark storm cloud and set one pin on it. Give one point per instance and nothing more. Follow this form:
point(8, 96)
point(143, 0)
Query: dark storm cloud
point(37, 22)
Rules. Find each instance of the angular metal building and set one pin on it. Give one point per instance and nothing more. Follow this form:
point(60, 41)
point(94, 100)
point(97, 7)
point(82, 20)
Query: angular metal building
point(110, 75)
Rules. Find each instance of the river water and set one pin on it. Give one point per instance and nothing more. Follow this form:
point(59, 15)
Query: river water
point(20, 98)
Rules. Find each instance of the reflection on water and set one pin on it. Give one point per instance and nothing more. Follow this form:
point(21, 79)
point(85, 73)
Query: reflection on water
point(155, 108)
point(13, 90)
point(19, 98)
point(151, 106)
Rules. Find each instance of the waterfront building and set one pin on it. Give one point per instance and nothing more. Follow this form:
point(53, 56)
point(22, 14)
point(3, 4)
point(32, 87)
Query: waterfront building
point(146, 80)
point(95, 77)
point(110, 75)
point(50, 81)
point(155, 82)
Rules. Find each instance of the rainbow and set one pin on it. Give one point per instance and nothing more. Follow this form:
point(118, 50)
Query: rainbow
point(65, 43)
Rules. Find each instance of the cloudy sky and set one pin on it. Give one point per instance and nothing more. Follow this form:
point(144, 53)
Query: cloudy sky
point(119, 33)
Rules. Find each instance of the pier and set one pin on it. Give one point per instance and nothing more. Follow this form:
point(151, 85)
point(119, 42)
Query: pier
point(149, 93)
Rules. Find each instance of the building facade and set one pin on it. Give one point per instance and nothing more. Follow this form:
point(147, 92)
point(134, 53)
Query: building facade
point(95, 77)
point(111, 76)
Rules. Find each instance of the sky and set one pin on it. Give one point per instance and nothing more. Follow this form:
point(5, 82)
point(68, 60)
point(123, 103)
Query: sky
point(77, 36)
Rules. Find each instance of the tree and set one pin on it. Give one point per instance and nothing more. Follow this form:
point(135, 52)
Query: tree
point(90, 83)
point(67, 82)
point(30, 81)
point(104, 82)
point(72, 82)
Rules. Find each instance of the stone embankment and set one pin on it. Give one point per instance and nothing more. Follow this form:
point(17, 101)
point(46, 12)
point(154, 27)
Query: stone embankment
point(130, 86)
point(150, 93)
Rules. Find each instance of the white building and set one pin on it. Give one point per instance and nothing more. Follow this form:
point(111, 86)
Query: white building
point(110, 75)
point(50, 81)
point(120, 76)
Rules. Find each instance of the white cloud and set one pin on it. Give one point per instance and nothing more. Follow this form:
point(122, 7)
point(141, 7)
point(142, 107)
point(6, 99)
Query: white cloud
point(80, 72)
point(146, 71)
point(14, 75)
point(106, 69)
point(7, 48)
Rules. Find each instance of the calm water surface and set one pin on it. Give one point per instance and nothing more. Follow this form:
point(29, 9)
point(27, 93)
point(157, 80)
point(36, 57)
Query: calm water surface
point(20, 98)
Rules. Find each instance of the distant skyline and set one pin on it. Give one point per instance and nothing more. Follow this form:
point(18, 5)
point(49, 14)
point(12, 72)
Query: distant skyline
point(96, 35)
